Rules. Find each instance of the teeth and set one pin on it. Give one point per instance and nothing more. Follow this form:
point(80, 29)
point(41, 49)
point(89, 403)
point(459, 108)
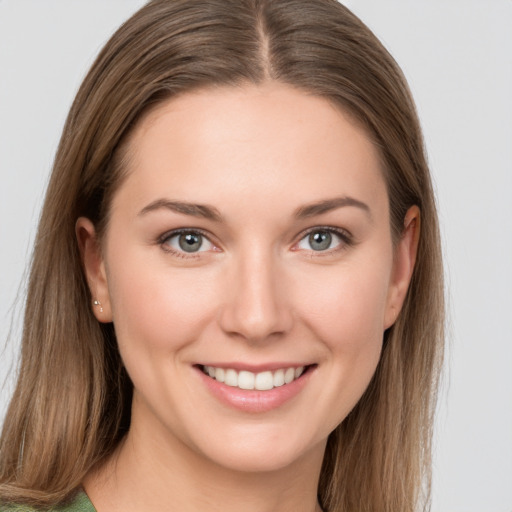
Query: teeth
point(219, 374)
point(246, 380)
point(289, 375)
point(278, 378)
point(262, 381)
point(231, 378)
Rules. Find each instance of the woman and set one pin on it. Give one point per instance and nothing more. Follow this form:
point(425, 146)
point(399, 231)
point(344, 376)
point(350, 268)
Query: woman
point(236, 292)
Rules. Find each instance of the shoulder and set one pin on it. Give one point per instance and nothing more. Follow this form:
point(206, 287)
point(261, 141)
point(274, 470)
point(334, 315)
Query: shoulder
point(80, 503)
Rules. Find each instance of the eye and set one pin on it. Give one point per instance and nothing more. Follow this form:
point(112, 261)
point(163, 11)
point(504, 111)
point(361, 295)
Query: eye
point(186, 241)
point(323, 239)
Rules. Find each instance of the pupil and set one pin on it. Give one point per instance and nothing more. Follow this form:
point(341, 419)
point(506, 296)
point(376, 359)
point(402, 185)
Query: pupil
point(320, 240)
point(190, 242)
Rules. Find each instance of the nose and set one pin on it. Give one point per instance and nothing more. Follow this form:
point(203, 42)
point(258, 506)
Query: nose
point(257, 307)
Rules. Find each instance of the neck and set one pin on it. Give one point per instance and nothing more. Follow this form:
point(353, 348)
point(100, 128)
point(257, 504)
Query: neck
point(147, 473)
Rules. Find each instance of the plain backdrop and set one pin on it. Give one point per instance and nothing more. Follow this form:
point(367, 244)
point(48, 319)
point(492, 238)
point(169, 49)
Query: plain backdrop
point(457, 56)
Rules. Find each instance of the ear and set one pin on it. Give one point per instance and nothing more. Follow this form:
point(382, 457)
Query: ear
point(94, 267)
point(403, 265)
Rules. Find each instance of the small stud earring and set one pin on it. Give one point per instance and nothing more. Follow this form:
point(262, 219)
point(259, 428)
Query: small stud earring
point(98, 303)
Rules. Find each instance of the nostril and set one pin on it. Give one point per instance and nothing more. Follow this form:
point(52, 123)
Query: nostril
point(255, 323)
point(256, 307)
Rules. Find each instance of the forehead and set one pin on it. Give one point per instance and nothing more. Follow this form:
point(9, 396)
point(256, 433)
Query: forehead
point(242, 143)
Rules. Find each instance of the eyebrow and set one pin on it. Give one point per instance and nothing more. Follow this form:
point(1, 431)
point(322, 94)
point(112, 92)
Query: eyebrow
point(211, 213)
point(196, 210)
point(327, 205)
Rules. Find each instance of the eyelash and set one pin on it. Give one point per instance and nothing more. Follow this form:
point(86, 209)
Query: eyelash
point(164, 239)
point(346, 238)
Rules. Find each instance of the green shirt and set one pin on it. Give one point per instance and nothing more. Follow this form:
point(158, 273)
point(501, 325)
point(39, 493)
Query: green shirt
point(81, 503)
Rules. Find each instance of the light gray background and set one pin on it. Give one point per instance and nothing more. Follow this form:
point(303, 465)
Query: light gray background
point(457, 58)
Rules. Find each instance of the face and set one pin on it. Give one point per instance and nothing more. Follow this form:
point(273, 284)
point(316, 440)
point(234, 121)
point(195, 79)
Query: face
point(249, 270)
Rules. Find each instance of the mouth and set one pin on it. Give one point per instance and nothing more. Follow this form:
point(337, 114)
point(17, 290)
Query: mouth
point(265, 388)
point(261, 381)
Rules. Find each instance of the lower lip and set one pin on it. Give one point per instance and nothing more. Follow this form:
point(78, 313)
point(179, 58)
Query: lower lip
point(254, 401)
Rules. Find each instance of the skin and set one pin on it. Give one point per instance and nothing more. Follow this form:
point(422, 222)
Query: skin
point(257, 292)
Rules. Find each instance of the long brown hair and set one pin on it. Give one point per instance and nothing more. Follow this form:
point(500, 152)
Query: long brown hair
point(71, 405)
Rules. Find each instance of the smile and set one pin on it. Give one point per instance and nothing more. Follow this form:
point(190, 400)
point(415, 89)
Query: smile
point(262, 381)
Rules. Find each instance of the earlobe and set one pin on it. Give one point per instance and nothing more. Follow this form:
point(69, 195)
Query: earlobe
point(94, 268)
point(403, 265)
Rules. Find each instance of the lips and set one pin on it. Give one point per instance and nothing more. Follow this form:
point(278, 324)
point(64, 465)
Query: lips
point(253, 389)
point(247, 380)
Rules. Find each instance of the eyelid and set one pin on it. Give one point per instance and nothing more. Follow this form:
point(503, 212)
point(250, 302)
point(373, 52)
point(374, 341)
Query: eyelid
point(346, 237)
point(165, 237)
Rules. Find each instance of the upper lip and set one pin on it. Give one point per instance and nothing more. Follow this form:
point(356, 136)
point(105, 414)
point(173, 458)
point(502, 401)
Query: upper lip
point(256, 368)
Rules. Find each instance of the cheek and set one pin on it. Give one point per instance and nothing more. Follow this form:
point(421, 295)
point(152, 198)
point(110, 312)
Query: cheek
point(158, 308)
point(346, 306)
point(343, 308)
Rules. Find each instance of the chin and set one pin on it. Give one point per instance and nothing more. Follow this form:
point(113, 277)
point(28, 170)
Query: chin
point(262, 454)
